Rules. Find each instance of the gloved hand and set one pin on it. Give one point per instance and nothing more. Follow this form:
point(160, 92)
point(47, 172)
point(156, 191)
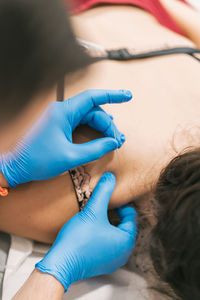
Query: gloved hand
point(47, 150)
point(88, 245)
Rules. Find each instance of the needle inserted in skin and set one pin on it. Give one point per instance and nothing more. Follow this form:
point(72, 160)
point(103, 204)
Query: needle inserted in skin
point(116, 151)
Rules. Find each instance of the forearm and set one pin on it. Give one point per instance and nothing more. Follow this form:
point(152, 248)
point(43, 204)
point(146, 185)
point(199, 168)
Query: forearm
point(40, 286)
point(186, 17)
point(38, 210)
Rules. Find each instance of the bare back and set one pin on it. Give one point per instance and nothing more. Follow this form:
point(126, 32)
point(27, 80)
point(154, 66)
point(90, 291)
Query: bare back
point(163, 118)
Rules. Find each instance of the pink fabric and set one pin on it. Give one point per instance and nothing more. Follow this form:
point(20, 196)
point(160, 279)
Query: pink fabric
point(152, 6)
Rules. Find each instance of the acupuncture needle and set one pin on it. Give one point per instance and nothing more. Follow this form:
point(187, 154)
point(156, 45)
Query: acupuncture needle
point(117, 151)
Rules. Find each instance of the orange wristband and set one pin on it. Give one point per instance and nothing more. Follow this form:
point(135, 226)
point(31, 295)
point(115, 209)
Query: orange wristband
point(3, 191)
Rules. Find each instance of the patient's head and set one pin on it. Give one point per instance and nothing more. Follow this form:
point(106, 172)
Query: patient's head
point(37, 49)
point(175, 247)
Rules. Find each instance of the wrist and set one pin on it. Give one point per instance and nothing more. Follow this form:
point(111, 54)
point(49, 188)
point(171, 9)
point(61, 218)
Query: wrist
point(49, 281)
point(61, 278)
point(40, 286)
point(8, 171)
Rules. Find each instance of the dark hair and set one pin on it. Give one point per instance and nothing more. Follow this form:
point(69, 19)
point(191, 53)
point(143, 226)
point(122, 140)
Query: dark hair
point(175, 245)
point(37, 49)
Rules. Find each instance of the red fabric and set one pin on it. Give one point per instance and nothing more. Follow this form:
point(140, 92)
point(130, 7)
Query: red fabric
point(152, 6)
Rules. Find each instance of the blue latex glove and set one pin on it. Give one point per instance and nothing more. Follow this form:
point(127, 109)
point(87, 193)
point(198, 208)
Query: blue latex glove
point(47, 150)
point(88, 245)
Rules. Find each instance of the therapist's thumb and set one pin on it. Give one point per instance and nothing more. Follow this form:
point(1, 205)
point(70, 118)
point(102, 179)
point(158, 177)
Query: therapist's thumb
point(93, 150)
point(128, 220)
point(101, 195)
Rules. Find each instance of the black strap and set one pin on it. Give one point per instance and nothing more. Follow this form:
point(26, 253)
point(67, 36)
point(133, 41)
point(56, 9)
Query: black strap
point(125, 54)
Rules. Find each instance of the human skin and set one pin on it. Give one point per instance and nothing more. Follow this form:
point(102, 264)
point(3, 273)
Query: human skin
point(186, 17)
point(40, 286)
point(161, 120)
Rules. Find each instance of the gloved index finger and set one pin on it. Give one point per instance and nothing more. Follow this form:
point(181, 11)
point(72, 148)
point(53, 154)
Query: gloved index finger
point(128, 219)
point(85, 101)
point(102, 194)
point(98, 119)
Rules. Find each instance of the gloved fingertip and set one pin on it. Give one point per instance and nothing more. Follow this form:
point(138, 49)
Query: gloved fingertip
point(128, 95)
point(102, 194)
point(120, 140)
point(107, 183)
point(119, 144)
point(127, 210)
point(117, 136)
point(131, 210)
point(108, 176)
point(111, 144)
point(123, 138)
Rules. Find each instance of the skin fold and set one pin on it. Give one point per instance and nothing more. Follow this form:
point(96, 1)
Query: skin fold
point(161, 120)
